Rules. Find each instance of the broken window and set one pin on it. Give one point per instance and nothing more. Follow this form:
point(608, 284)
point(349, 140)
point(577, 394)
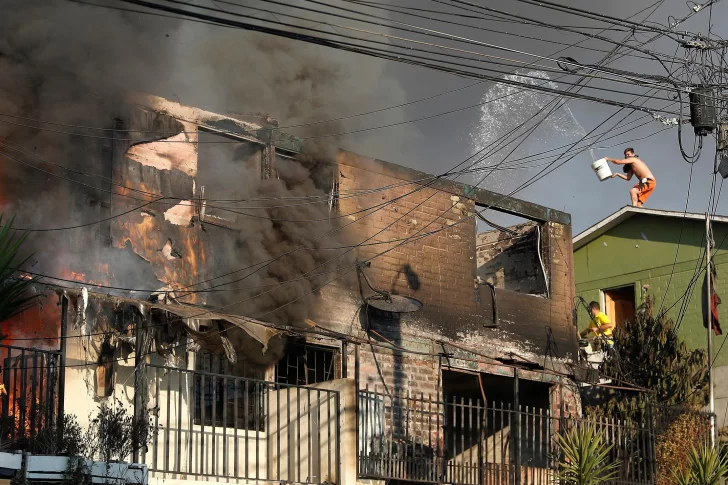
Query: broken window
point(510, 254)
point(222, 400)
point(228, 170)
point(294, 169)
point(619, 305)
point(305, 364)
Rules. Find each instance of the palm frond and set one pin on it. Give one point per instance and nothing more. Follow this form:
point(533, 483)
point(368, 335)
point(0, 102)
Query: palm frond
point(584, 457)
point(15, 294)
point(706, 466)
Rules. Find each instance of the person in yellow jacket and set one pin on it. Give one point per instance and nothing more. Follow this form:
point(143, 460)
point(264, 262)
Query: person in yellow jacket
point(600, 324)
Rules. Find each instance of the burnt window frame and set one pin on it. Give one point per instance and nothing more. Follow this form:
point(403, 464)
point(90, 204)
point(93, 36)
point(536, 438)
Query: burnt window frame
point(331, 361)
point(542, 249)
point(252, 391)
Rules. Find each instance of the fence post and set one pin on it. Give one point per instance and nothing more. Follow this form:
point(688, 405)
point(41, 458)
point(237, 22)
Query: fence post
point(140, 340)
point(357, 411)
point(653, 442)
point(517, 425)
point(483, 416)
point(62, 367)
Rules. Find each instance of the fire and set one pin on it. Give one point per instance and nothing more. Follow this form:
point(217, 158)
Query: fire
point(28, 376)
point(38, 327)
point(78, 276)
point(102, 270)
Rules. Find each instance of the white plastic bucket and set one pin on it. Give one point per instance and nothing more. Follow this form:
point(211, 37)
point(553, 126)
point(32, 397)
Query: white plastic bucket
point(601, 167)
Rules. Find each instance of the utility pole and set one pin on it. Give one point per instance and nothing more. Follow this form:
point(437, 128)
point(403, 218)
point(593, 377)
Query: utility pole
point(709, 302)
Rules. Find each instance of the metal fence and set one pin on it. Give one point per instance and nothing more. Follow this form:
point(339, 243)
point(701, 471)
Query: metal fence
point(215, 425)
point(464, 442)
point(29, 397)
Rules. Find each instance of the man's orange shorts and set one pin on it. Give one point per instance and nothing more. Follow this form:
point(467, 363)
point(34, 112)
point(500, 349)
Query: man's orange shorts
point(645, 190)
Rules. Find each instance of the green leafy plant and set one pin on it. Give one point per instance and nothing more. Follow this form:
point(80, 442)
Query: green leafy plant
point(65, 439)
point(648, 354)
point(651, 354)
point(14, 295)
point(77, 472)
point(584, 457)
point(115, 434)
point(706, 465)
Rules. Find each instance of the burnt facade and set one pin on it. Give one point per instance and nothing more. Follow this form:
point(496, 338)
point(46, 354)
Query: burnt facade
point(249, 268)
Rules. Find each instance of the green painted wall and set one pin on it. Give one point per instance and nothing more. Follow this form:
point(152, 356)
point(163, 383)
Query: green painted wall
point(641, 251)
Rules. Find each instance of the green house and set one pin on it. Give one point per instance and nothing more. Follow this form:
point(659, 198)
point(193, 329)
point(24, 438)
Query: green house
point(637, 252)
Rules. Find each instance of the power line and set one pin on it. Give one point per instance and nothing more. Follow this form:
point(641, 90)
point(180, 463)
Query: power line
point(365, 51)
point(572, 157)
point(157, 290)
point(411, 12)
point(406, 27)
point(384, 252)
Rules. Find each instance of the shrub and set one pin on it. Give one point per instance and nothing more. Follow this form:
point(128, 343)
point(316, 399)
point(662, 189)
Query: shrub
point(583, 457)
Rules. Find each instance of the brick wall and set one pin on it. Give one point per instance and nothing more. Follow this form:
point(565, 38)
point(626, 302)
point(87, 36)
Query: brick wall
point(509, 260)
point(439, 269)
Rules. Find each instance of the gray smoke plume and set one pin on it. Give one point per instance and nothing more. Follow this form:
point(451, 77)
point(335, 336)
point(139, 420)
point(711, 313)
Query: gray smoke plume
point(73, 64)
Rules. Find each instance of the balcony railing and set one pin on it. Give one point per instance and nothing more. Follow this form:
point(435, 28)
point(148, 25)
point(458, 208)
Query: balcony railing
point(29, 400)
point(214, 425)
point(464, 442)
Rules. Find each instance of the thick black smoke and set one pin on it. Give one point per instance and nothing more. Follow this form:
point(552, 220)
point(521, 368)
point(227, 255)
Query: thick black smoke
point(74, 65)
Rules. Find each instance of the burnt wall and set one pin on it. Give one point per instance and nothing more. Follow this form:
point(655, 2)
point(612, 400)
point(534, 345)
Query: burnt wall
point(428, 240)
point(510, 259)
point(417, 231)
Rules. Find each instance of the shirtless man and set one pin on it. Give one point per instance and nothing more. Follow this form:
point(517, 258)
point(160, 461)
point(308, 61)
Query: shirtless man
point(632, 165)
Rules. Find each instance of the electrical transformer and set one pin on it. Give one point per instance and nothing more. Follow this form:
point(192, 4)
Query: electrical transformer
point(702, 110)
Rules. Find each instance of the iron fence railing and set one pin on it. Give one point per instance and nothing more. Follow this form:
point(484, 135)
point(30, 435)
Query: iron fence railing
point(465, 442)
point(29, 398)
point(214, 425)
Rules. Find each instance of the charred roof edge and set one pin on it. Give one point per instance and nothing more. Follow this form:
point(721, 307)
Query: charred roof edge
point(500, 202)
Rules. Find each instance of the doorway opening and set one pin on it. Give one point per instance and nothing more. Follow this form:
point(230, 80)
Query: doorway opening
point(619, 305)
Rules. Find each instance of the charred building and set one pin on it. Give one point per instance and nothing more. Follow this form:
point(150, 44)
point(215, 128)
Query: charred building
point(286, 317)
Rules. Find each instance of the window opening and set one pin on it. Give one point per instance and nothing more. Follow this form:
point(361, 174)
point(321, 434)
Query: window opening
point(225, 171)
point(511, 253)
point(305, 364)
point(215, 391)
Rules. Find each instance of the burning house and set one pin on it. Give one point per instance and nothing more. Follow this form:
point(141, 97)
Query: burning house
point(284, 317)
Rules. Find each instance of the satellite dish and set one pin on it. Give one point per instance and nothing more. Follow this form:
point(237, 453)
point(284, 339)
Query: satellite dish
point(394, 303)
point(385, 301)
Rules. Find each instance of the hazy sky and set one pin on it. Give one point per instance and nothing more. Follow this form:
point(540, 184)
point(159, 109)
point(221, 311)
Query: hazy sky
point(230, 70)
point(439, 143)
